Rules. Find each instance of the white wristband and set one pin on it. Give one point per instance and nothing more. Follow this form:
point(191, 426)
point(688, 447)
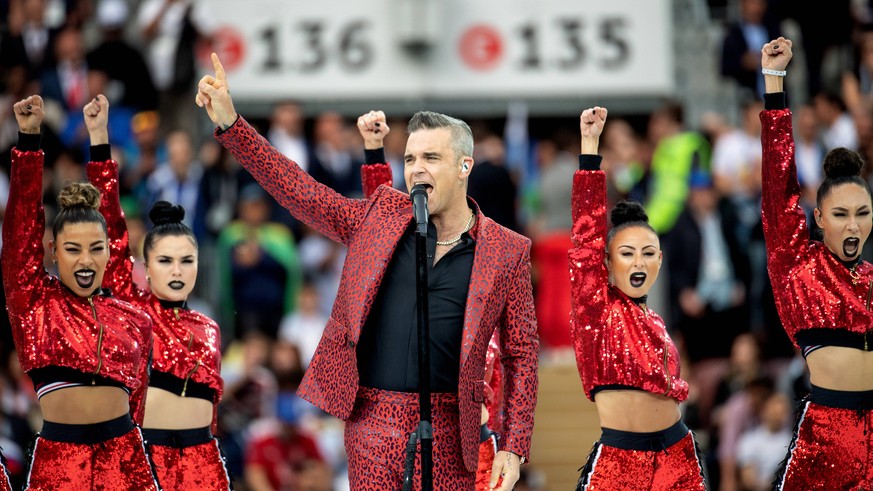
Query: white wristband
point(778, 73)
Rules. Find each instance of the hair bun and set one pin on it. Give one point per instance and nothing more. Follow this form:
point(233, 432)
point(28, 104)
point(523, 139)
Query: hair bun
point(628, 212)
point(842, 162)
point(163, 212)
point(79, 195)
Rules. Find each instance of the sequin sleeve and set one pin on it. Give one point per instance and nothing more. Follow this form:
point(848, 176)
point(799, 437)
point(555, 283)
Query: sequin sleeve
point(138, 395)
point(119, 271)
point(785, 229)
point(589, 278)
point(23, 229)
point(494, 384)
point(311, 202)
point(375, 175)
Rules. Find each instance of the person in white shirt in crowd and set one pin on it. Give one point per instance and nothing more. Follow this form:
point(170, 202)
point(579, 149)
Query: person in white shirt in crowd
point(304, 326)
point(761, 449)
point(286, 133)
point(838, 129)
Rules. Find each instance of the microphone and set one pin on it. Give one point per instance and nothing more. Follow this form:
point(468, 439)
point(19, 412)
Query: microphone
point(418, 195)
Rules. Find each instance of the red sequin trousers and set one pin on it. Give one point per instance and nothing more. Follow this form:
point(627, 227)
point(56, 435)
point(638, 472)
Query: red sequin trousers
point(378, 429)
point(832, 449)
point(5, 484)
point(117, 464)
point(616, 469)
point(188, 459)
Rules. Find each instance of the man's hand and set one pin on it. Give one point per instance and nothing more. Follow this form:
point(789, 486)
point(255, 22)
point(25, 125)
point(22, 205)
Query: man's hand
point(374, 129)
point(591, 124)
point(214, 95)
point(97, 119)
point(508, 466)
point(776, 54)
point(29, 114)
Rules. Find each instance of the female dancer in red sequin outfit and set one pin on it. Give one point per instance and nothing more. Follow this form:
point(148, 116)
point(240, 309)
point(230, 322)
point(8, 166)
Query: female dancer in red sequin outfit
point(628, 363)
point(185, 385)
point(823, 294)
point(86, 351)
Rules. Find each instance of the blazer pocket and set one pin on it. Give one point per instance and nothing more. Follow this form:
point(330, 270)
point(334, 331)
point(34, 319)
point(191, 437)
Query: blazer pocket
point(479, 391)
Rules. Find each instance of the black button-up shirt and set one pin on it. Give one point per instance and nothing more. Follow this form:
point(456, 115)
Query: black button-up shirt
point(388, 347)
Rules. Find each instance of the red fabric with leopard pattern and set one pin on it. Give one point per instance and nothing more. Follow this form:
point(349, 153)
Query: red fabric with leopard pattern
point(499, 294)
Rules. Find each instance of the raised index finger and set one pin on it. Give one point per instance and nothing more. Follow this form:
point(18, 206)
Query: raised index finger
point(219, 69)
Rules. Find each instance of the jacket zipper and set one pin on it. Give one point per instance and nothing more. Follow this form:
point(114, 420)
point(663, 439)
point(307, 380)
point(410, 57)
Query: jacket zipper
point(666, 352)
point(176, 311)
point(188, 377)
point(99, 339)
point(869, 296)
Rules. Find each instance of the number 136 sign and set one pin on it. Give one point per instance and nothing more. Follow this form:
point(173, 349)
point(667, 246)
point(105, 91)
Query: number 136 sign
point(334, 49)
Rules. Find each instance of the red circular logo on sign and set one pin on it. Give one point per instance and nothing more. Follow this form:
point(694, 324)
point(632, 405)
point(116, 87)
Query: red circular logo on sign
point(481, 47)
point(228, 44)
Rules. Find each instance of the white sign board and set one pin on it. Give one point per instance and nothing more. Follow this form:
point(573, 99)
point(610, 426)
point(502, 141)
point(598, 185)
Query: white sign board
point(353, 50)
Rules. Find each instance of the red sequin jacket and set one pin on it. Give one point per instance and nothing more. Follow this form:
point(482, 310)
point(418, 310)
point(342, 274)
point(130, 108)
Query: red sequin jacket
point(187, 344)
point(618, 343)
point(52, 326)
point(499, 294)
point(813, 288)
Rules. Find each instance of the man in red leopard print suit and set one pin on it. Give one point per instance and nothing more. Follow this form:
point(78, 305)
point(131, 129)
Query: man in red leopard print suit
point(365, 368)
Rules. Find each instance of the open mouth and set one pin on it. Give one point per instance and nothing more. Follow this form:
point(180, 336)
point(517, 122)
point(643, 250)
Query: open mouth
point(637, 279)
point(176, 285)
point(427, 187)
point(851, 246)
point(85, 277)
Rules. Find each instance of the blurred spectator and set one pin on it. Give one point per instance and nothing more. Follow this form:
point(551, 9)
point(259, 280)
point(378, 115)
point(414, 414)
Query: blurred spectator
point(550, 231)
point(322, 260)
point(66, 80)
point(741, 413)
point(824, 33)
point(809, 154)
point(333, 163)
point(218, 188)
point(287, 366)
point(395, 147)
point(858, 85)
point(745, 366)
point(279, 457)
point(838, 127)
point(130, 81)
point(761, 449)
point(623, 161)
point(736, 156)
point(677, 154)
point(286, 133)
point(143, 157)
point(707, 272)
point(304, 326)
point(260, 270)
point(74, 132)
point(178, 180)
point(736, 169)
point(171, 28)
point(27, 40)
point(741, 48)
point(491, 186)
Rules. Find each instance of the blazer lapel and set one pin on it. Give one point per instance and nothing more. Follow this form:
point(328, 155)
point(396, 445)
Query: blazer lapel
point(482, 279)
point(384, 235)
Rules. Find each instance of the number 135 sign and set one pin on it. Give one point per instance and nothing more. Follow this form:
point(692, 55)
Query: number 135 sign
point(334, 49)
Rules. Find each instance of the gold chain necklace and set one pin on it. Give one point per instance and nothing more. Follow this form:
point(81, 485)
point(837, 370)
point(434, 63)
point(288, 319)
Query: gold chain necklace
point(458, 238)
